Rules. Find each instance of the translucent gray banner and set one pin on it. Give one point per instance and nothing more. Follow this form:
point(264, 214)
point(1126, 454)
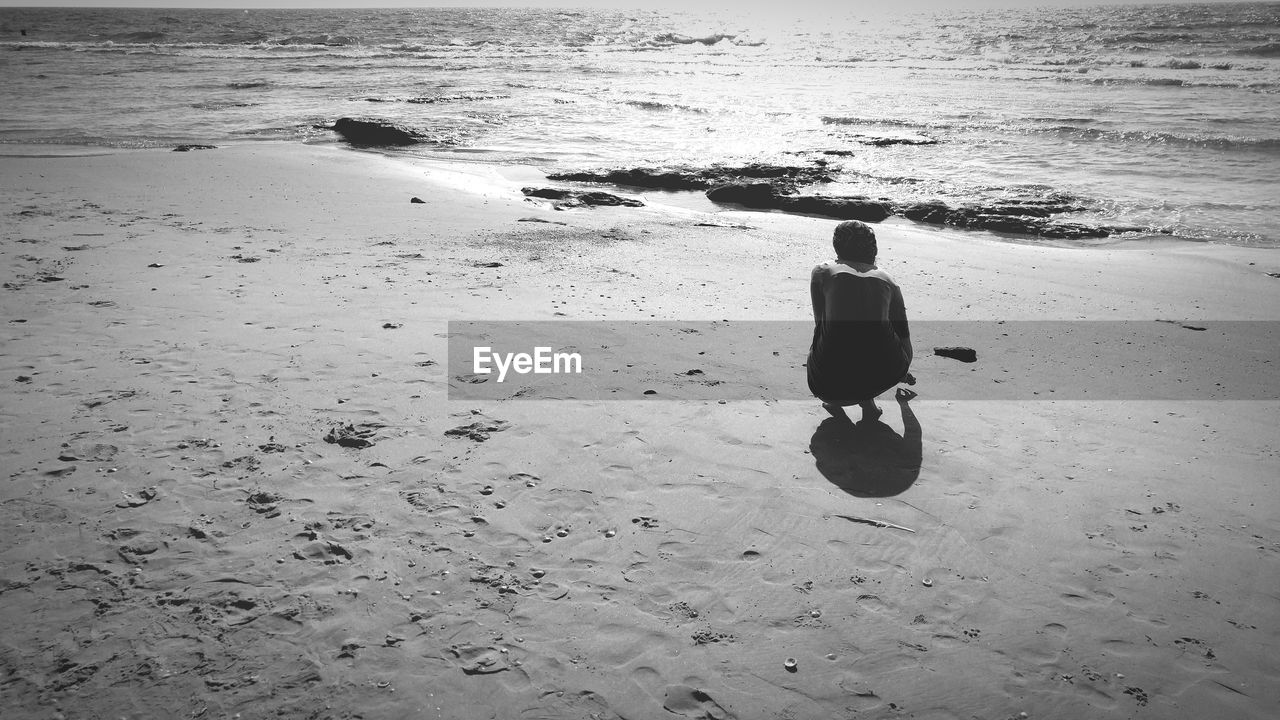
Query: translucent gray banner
point(763, 360)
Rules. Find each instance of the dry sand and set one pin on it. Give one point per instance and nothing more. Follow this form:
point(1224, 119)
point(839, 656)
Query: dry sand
point(182, 331)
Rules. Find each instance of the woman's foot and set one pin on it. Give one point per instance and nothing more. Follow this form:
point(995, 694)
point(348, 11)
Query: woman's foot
point(870, 411)
point(836, 412)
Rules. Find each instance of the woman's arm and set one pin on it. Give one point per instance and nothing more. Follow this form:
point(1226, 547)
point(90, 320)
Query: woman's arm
point(898, 317)
point(815, 294)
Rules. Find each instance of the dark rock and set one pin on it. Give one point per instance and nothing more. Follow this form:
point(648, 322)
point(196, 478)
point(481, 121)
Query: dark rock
point(374, 133)
point(753, 195)
point(963, 354)
point(934, 213)
point(660, 179)
point(417, 200)
point(768, 196)
point(188, 148)
point(1020, 216)
point(1016, 224)
point(1030, 208)
point(793, 175)
point(886, 141)
point(842, 208)
point(786, 177)
point(576, 198)
point(1075, 231)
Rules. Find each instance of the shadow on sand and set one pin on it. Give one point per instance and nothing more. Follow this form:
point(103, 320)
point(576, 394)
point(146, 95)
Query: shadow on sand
point(869, 459)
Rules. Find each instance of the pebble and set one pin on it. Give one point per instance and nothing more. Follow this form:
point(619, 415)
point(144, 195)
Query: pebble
point(815, 613)
point(927, 582)
point(610, 533)
point(562, 532)
point(487, 490)
point(790, 664)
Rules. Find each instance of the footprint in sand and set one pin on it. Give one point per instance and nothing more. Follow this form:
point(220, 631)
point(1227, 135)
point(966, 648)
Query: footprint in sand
point(352, 436)
point(321, 550)
point(690, 702)
point(87, 452)
point(139, 498)
point(479, 660)
point(264, 503)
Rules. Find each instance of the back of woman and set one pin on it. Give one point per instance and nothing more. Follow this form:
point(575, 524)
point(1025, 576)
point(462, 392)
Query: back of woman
point(861, 339)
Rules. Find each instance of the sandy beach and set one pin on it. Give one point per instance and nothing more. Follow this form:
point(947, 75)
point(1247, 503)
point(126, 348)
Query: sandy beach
point(183, 331)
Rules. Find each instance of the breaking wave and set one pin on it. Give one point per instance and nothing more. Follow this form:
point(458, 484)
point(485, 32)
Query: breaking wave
point(1268, 144)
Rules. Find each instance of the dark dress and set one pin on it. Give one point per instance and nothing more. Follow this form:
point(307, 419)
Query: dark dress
point(861, 341)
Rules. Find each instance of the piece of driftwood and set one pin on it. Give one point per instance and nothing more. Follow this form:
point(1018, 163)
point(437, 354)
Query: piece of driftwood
point(876, 523)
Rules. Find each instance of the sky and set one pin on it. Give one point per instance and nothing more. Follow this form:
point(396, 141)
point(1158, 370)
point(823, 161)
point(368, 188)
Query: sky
point(794, 5)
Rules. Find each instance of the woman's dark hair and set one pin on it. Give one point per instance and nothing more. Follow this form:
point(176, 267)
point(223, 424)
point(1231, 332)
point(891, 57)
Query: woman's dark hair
point(855, 241)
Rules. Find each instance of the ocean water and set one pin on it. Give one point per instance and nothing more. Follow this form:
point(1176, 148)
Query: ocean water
point(1162, 116)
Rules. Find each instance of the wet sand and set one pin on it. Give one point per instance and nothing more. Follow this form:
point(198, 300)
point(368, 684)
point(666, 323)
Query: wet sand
point(183, 331)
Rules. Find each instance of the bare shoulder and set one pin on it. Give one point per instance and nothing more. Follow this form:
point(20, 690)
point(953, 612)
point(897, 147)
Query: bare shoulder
point(882, 275)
